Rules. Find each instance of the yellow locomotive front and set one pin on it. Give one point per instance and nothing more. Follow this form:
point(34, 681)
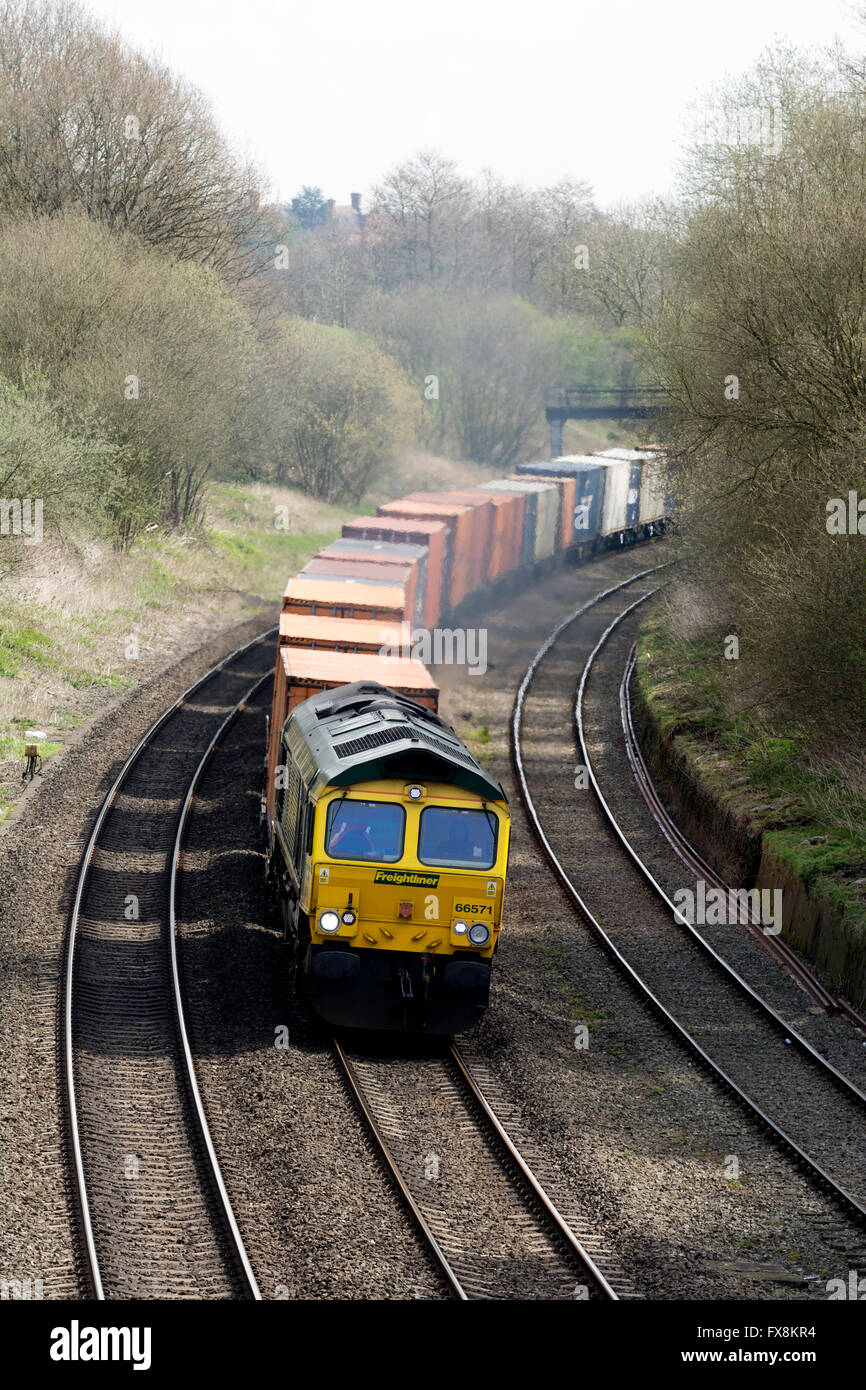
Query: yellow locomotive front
point(414, 873)
point(398, 892)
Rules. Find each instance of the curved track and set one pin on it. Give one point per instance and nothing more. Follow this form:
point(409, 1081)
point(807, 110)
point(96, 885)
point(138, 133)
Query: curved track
point(848, 1087)
point(850, 1095)
point(155, 1218)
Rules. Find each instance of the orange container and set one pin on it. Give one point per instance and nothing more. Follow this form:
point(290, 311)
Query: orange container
point(417, 531)
point(460, 527)
point(344, 598)
point(567, 494)
point(342, 634)
point(301, 672)
point(482, 504)
point(503, 535)
point(512, 538)
point(309, 671)
point(388, 556)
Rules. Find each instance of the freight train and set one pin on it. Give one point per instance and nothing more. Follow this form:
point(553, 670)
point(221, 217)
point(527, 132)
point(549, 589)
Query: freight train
point(387, 841)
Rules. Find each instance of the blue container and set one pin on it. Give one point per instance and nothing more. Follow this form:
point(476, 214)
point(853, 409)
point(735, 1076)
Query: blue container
point(588, 498)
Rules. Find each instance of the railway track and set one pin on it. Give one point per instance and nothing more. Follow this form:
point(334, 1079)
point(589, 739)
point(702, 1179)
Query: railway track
point(154, 1216)
point(156, 1220)
point(698, 867)
point(490, 1225)
point(674, 988)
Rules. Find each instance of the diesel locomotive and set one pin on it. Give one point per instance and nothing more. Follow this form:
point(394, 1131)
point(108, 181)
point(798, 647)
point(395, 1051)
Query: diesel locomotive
point(388, 848)
point(387, 840)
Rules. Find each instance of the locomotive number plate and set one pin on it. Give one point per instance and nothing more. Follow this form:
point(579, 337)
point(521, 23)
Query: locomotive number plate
point(474, 909)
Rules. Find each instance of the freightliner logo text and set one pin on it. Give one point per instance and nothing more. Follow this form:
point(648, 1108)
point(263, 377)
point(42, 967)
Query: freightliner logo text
point(405, 879)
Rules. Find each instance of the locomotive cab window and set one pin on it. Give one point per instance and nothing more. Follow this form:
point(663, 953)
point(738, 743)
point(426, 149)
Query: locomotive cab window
point(457, 839)
point(365, 830)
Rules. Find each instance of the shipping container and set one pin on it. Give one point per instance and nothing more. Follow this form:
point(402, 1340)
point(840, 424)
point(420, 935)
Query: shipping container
point(615, 502)
point(635, 458)
point(344, 598)
point(590, 474)
point(524, 543)
point(307, 671)
point(589, 480)
point(384, 554)
point(506, 529)
point(653, 491)
point(343, 634)
point(402, 576)
point(540, 536)
point(435, 535)
point(510, 510)
point(566, 465)
point(547, 526)
point(627, 455)
point(301, 672)
point(566, 485)
point(482, 507)
point(459, 521)
point(647, 478)
point(343, 567)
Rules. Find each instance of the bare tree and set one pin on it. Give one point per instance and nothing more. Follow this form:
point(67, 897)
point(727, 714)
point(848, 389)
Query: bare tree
point(761, 343)
point(91, 124)
point(419, 212)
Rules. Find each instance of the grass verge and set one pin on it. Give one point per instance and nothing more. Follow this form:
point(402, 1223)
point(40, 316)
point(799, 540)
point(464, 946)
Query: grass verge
point(809, 811)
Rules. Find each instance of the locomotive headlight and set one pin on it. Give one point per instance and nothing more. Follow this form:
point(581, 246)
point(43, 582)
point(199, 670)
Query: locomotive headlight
point(479, 934)
point(460, 928)
point(415, 793)
point(329, 922)
point(349, 919)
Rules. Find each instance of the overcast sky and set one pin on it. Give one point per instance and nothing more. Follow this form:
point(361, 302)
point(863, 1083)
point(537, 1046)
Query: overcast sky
point(335, 91)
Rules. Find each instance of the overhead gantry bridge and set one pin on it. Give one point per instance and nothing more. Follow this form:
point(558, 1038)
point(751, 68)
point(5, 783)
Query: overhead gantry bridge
point(576, 402)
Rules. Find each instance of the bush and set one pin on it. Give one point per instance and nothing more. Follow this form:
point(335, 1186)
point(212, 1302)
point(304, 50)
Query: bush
point(70, 475)
point(153, 357)
point(344, 407)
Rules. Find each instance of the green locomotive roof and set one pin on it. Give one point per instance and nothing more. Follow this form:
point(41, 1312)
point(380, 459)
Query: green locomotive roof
point(364, 731)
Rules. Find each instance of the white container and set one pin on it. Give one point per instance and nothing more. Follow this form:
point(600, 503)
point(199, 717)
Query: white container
point(547, 519)
point(653, 489)
point(615, 501)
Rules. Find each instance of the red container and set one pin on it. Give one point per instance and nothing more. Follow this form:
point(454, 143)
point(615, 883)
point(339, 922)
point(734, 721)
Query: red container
point(460, 527)
point(482, 504)
point(344, 598)
point(417, 531)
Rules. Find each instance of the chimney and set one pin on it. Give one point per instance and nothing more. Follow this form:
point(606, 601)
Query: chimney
point(356, 201)
point(332, 203)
